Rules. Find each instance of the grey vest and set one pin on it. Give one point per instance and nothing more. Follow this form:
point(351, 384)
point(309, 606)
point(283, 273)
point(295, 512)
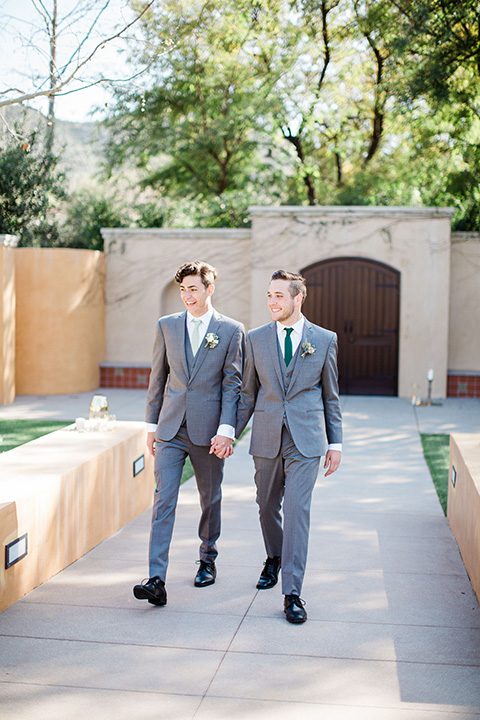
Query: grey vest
point(286, 372)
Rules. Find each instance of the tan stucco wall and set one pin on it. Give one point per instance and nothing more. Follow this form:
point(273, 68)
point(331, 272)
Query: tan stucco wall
point(68, 491)
point(60, 320)
point(463, 509)
point(141, 265)
point(415, 241)
point(7, 319)
point(464, 337)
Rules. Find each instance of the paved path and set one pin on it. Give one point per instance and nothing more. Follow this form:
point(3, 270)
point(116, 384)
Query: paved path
point(393, 630)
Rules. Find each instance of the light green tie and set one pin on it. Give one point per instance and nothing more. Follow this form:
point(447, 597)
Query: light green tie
point(288, 346)
point(196, 336)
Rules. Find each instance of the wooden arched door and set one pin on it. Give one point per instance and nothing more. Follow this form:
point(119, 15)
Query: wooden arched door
point(359, 299)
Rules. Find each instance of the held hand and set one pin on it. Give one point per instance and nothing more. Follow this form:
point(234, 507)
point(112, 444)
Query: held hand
point(151, 443)
point(222, 446)
point(332, 461)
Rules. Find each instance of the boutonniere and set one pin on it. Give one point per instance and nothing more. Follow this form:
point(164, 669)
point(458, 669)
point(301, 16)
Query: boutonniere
point(308, 349)
point(211, 340)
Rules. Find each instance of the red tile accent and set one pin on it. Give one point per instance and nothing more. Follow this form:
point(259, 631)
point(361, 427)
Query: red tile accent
point(132, 377)
point(461, 385)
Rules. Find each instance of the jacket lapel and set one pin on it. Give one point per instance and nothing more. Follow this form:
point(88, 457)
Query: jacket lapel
point(182, 335)
point(202, 352)
point(307, 336)
point(273, 347)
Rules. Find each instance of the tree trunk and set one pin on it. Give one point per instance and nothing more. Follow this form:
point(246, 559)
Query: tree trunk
point(378, 109)
point(296, 141)
point(53, 79)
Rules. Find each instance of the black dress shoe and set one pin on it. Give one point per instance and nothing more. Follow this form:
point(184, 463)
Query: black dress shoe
point(152, 590)
point(294, 610)
point(269, 575)
point(206, 574)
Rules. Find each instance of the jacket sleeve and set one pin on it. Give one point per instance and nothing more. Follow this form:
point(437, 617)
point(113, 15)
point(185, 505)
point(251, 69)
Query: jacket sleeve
point(330, 395)
point(232, 376)
point(158, 377)
point(250, 385)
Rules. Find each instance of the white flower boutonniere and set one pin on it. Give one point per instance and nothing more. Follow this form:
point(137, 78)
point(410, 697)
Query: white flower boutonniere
point(308, 349)
point(211, 340)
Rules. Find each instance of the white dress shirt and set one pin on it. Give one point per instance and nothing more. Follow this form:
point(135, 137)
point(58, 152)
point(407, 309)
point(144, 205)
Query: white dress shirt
point(296, 337)
point(225, 430)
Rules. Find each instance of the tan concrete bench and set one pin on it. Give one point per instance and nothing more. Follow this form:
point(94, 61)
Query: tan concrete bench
point(68, 491)
point(463, 510)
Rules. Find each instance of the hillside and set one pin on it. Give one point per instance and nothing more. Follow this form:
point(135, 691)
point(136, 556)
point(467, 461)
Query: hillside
point(79, 145)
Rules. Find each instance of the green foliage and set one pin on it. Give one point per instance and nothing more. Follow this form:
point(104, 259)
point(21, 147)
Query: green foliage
point(87, 212)
point(18, 432)
point(310, 101)
point(442, 37)
point(436, 449)
point(197, 130)
point(30, 187)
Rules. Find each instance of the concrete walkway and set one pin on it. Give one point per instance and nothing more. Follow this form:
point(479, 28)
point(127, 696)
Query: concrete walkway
point(393, 630)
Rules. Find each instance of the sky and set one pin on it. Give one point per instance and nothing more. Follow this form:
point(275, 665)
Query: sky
point(24, 63)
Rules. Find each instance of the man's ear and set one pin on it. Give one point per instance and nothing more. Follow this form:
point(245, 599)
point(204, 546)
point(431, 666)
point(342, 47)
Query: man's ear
point(298, 299)
point(211, 289)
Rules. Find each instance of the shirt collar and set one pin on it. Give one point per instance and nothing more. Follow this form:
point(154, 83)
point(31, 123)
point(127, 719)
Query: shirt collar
point(297, 328)
point(205, 318)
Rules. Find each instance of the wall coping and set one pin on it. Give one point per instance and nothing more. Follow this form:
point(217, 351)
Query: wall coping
point(354, 211)
point(175, 233)
point(458, 237)
point(9, 240)
point(125, 365)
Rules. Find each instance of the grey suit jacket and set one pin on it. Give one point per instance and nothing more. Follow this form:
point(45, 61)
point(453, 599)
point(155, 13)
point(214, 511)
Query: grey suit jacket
point(310, 404)
point(208, 396)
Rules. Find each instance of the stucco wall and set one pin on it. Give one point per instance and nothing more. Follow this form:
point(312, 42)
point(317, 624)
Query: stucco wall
point(464, 501)
point(464, 336)
point(60, 320)
point(414, 241)
point(141, 265)
point(68, 491)
point(7, 319)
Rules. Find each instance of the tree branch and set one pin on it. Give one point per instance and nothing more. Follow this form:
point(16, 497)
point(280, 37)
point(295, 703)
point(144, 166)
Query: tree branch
point(64, 82)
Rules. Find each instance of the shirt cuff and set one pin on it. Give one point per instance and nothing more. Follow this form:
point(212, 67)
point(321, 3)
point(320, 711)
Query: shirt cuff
point(226, 431)
point(335, 446)
point(151, 427)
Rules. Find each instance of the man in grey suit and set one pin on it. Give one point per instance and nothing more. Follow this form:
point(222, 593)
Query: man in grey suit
point(290, 385)
point(191, 410)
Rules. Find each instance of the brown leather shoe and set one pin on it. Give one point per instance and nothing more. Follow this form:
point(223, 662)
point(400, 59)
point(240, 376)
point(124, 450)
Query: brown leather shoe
point(152, 590)
point(269, 575)
point(207, 572)
point(294, 610)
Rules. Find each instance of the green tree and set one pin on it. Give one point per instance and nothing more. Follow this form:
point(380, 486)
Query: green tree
point(88, 211)
point(197, 129)
point(305, 101)
point(30, 188)
point(442, 40)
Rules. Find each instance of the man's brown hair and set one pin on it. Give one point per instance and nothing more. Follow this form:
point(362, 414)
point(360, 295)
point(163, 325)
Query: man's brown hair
point(207, 273)
point(298, 284)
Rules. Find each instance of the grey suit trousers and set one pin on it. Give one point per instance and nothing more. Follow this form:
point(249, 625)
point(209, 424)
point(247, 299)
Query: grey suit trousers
point(169, 461)
point(289, 477)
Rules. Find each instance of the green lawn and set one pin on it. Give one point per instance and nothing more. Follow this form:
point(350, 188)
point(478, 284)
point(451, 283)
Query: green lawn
point(17, 432)
point(436, 449)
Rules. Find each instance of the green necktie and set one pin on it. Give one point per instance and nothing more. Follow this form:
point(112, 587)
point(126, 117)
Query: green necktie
point(196, 336)
point(288, 346)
